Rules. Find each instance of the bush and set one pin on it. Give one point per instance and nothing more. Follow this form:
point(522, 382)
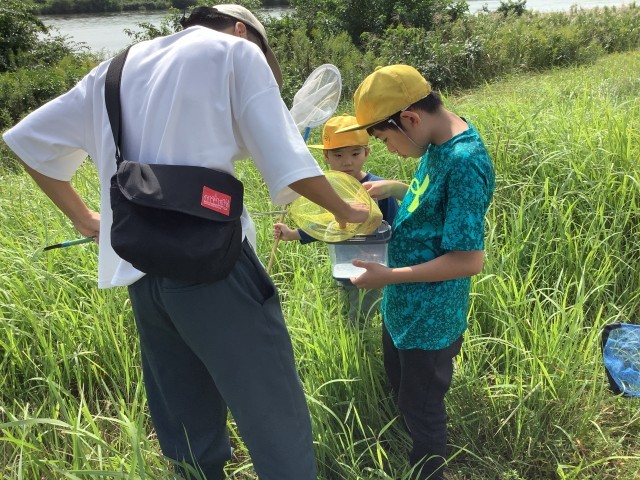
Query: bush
point(478, 48)
point(19, 30)
point(517, 7)
point(445, 61)
point(27, 89)
point(300, 52)
point(373, 16)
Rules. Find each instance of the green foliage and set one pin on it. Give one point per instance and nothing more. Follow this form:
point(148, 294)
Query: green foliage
point(555, 273)
point(373, 16)
point(457, 51)
point(300, 52)
point(515, 7)
point(19, 30)
point(446, 61)
point(477, 48)
point(34, 67)
point(78, 6)
point(26, 89)
point(182, 4)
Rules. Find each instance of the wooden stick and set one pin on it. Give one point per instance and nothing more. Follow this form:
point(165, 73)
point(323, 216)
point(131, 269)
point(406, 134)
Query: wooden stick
point(275, 244)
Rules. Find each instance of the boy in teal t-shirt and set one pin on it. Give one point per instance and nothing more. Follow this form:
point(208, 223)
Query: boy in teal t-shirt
point(437, 245)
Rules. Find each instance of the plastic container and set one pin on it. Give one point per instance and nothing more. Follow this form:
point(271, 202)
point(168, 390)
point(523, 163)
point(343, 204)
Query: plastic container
point(370, 248)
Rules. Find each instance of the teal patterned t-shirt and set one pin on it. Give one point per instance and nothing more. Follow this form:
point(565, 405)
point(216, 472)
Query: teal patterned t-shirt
point(442, 211)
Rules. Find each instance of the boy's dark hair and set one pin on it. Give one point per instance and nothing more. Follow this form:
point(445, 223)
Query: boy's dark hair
point(210, 18)
point(430, 104)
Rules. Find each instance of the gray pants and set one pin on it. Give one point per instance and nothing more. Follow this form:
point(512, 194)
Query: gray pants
point(206, 347)
point(363, 303)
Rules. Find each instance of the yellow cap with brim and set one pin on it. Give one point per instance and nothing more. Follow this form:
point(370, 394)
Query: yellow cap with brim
point(385, 92)
point(332, 140)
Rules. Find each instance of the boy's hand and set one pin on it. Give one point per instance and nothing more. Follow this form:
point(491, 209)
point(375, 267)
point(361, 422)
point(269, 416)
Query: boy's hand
point(381, 189)
point(376, 276)
point(284, 233)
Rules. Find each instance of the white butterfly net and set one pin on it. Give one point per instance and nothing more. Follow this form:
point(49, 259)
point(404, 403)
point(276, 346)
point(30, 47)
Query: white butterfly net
point(318, 97)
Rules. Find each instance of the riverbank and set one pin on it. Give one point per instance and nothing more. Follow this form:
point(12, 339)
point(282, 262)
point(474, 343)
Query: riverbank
point(106, 33)
point(58, 7)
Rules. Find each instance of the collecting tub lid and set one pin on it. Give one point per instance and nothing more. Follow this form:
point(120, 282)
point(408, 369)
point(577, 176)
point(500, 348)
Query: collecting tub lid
point(381, 235)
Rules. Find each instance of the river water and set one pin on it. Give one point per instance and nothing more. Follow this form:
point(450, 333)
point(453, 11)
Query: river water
point(106, 31)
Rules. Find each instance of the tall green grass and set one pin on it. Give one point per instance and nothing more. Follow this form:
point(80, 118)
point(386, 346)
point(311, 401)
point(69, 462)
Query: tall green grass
point(529, 399)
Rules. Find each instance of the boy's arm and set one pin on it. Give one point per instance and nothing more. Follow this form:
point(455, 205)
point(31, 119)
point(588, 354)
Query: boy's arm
point(305, 237)
point(389, 208)
point(455, 264)
point(284, 233)
point(380, 189)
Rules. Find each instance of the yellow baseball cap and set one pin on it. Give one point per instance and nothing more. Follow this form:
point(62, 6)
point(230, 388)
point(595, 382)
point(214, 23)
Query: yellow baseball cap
point(332, 140)
point(387, 91)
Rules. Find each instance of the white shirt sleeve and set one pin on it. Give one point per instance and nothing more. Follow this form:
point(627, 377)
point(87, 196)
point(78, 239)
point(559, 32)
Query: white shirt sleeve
point(53, 139)
point(267, 129)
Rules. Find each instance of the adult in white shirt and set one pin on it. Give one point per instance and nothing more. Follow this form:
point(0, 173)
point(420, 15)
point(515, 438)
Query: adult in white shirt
point(205, 96)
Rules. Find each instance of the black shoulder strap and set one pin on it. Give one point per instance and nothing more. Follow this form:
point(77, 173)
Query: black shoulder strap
point(112, 98)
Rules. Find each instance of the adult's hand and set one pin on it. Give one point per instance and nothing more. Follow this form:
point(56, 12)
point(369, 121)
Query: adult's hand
point(64, 196)
point(89, 225)
point(357, 213)
point(319, 191)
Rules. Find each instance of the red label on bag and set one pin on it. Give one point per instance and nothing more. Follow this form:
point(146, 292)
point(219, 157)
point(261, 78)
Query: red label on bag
point(216, 201)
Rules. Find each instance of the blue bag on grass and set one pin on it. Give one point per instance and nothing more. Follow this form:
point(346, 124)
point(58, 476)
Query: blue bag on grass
point(621, 355)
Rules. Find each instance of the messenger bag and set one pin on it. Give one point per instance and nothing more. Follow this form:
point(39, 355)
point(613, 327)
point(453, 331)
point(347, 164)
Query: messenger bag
point(175, 221)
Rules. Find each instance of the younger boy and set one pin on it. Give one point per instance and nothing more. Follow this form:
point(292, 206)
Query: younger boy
point(437, 244)
point(347, 152)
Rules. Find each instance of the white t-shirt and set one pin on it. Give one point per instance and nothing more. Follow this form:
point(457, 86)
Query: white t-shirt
point(197, 97)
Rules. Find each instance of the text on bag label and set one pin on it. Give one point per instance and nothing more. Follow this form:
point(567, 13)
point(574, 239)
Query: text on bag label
point(216, 201)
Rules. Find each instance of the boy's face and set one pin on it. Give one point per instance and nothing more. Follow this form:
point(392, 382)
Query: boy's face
point(348, 160)
point(397, 142)
point(411, 136)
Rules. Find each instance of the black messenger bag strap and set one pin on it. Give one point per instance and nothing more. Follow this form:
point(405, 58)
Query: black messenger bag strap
point(112, 98)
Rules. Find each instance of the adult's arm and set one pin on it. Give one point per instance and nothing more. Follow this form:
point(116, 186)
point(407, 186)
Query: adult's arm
point(319, 191)
point(64, 196)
